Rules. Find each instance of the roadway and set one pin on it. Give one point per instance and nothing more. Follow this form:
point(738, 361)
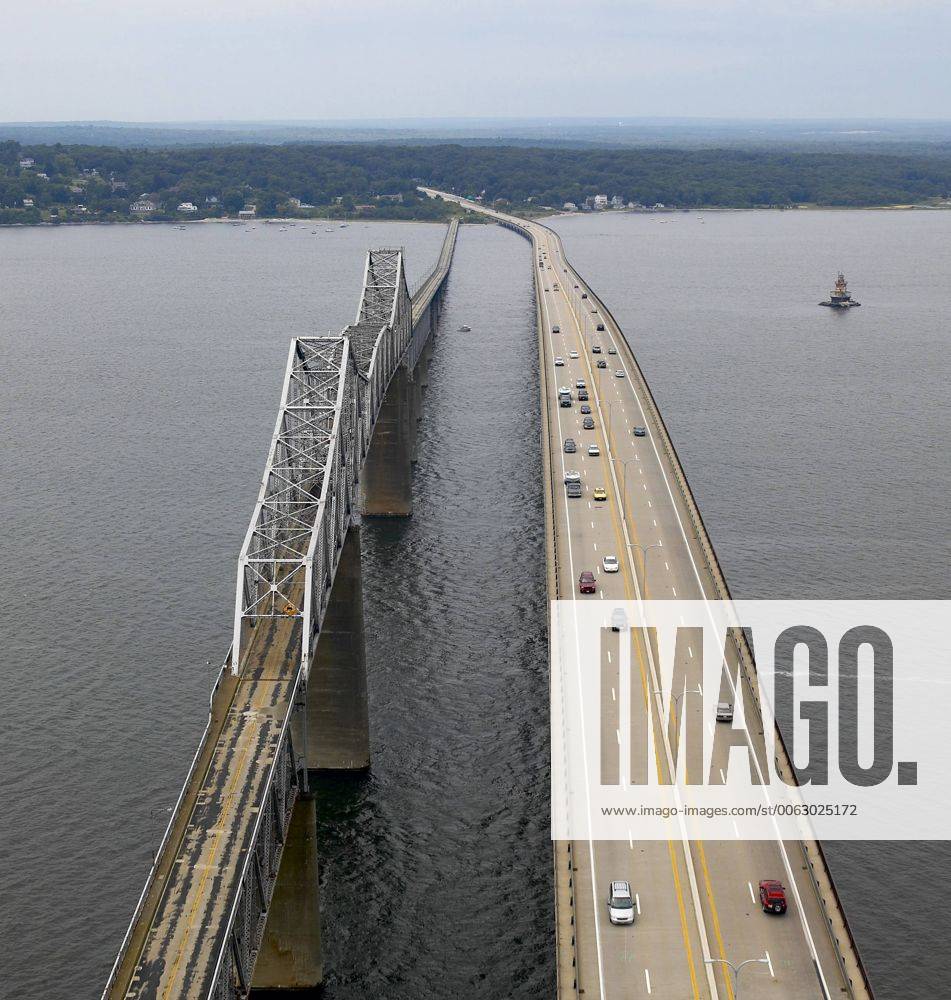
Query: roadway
point(696, 900)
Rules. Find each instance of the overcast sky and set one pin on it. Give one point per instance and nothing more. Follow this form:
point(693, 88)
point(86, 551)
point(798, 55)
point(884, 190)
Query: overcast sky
point(153, 60)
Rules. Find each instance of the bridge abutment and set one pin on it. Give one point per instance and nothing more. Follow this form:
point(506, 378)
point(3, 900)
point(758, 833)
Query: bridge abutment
point(388, 472)
point(290, 955)
point(337, 717)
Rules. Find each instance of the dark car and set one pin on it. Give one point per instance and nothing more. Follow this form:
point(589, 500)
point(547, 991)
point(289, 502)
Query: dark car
point(570, 446)
point(640, 432)
point(596, 349)
point(556, 329)
point(602, 363)
point(600, 326)
point(586, 582)
point(582, 395)
point(585, 408)
point(584, 295)
point(588, 423)
point(772, 896)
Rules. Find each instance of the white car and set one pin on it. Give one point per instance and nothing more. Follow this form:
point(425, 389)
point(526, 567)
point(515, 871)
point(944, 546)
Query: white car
point(573, 355)
point(572, 477)
point(619, 373)
point(559, 362)
point(610, 564)
point(594, 450)
point(621, 903)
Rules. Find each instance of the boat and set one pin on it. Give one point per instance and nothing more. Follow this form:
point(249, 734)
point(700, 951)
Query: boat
point(840, 297)
point(465, 329)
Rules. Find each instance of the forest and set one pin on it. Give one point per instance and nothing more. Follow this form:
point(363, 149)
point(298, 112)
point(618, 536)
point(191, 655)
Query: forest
point(41, 183)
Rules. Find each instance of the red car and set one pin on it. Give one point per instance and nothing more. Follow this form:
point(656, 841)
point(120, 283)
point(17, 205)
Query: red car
point(586, 582)
point(772, 895)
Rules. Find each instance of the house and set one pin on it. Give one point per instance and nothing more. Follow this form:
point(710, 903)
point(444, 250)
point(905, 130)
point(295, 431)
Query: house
point(600, 201)
point(187, 206)
point(27, 202)
point(76, 188)
point(617, 201)
point(570, 206)
point(211, 199)
point(143, 205)
point(43, 176)
point(27, 162)
point(248, 212)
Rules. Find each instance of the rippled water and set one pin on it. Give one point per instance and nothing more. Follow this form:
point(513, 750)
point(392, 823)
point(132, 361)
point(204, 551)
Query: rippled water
point(141, 368)
point(816, 443)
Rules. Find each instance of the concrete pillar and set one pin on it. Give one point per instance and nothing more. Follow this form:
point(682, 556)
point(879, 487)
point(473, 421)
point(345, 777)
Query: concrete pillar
point(338, 728)
point(388, 473)
point(290, 957)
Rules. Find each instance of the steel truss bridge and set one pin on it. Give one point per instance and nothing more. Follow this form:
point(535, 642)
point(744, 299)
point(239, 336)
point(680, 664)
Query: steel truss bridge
point(204, 917)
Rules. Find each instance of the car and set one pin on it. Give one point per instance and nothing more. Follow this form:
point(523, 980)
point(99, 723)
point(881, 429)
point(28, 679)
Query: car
point(596, 349)
point(610, 564)
point(593, 450)
point(556, 329)
point(621, 903)
point(618, 620)
point(611, 350)
point(584, 295)
point(572, 476)
point(619, 373)
point(586, 582)
point(602, 363)
point(640, 432)
point(600, 493)
point(586, 408)
point(573, 355)
point(570, 446)
point(582, 395)
point(581, 384)
point(576, 286)
point(724, 711)
point(588, 423)
point(772, 896)
point(546, 288)
point(573, 490)
point(600, 326)
point(559, 362)
point(556, 288)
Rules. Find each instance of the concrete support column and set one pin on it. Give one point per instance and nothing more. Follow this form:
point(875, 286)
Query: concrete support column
point(290, 957)
point(387, 473)
point(338, 729)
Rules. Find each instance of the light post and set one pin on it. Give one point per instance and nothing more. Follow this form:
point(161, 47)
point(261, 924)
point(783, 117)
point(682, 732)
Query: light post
point(737, 969)
point(625, 462)
point(644, 549)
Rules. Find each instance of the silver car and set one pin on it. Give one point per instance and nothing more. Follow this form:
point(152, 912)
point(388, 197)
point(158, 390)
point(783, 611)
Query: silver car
point(621, 903)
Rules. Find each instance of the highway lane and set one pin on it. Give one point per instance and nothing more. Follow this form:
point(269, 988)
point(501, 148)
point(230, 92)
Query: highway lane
point(697, 899)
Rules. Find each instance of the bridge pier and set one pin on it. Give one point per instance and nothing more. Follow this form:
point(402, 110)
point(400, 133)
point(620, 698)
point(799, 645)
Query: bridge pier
point(388, 472)
point(290, 955)
point(337, 716)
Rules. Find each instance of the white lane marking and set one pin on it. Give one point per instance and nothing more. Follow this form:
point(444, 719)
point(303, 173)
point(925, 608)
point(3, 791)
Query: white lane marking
point(637, 901)
point(690, 651)
point(700, 689)
point(649, 504)
point(618, 731)
point(752, 894)
point(613, 695)
point(630, 839)
point(602, 595)
point(647, 976)
point(674, 589)
point(654, 519)
point(736, 830)
point(644, 485)
point(609, 660)
point(667, 567)
point(722, 777)
point(769, 961)
point(595, 544)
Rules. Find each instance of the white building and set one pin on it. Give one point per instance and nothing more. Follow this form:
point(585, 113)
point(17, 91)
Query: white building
point(27, 202)
point(187, 206)
point(27, 162)
point(617, 202)
point(248, 212)
point(570, 206)
point(143, 205)
point(600, 201)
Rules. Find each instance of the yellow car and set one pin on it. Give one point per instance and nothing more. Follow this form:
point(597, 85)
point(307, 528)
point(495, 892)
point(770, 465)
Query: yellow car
point(600, 493)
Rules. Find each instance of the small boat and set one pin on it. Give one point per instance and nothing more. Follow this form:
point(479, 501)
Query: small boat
point(182, 228)
point(465, 329)
point(840, 297)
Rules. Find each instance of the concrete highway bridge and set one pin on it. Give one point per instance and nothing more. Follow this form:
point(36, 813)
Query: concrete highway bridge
point(231, 900)
point(697, 900)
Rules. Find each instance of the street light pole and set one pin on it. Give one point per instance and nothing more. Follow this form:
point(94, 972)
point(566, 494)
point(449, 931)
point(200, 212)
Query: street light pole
point(644, 549)
point(737, 969)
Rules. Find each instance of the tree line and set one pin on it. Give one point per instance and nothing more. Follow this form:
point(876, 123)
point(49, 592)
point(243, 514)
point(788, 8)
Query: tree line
point(39, 182)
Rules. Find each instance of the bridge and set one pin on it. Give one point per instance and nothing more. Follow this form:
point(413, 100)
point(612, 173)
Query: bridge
point(697, 902)
point(231, 899)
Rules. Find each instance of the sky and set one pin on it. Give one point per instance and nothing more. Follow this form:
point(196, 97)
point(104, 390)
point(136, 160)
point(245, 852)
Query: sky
point(184, 60)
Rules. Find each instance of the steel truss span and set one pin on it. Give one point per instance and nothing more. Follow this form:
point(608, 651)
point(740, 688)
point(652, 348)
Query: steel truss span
point(334, 388)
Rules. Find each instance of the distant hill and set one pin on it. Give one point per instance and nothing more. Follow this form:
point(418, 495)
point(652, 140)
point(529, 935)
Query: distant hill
point(800, 135)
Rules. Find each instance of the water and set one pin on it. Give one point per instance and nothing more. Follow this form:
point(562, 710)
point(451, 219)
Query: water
point(815, 442)
point(140, 369)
